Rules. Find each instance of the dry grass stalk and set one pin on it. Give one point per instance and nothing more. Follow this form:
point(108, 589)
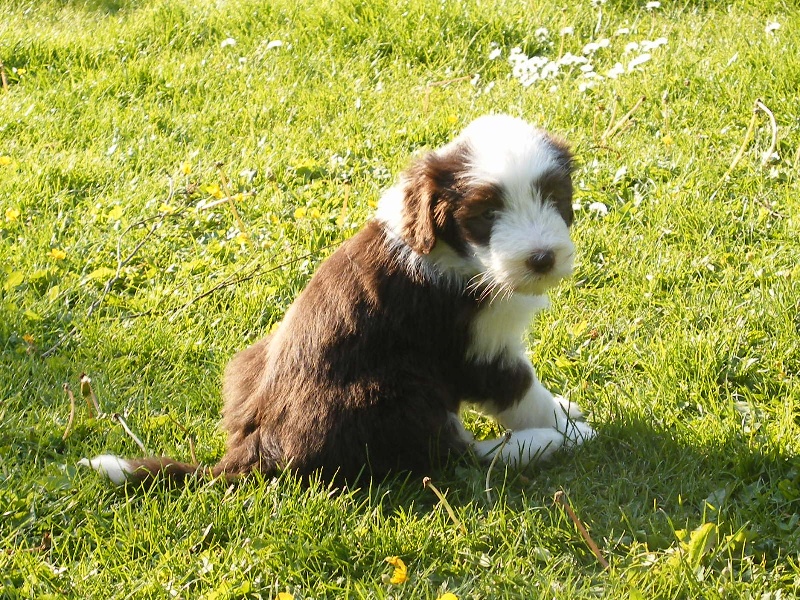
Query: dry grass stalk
point(118, 417)
point(428, 484)
point(189, 436)
point(3, 79)
point(614, 129)
point(506, 436)
point(561, 499)
point(767, 158)
point(71, 411)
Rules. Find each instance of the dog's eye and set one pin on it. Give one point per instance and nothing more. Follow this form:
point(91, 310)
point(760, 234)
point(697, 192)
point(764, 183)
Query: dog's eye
point(489, 214)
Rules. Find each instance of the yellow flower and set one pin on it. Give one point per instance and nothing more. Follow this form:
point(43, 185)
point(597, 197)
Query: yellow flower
point(12, 214)
point(300, 212)
point(186, 168)
point(447, 596)
point(452, 119)
point(242, 238)
point(214, 190)
point(314, 213)
point(667, 140)
point(400, 574)
point(284, 596)
point(29, 339)
point(5, 161)
point(167, 209)
point(57, 254)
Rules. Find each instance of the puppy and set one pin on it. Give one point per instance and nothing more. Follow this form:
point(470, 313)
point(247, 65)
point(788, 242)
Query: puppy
point(421, 311)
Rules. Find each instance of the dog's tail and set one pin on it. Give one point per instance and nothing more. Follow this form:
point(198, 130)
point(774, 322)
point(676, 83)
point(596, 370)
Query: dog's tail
point(144, 471)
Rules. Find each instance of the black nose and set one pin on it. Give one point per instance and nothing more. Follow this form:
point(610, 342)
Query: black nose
point(541, 262)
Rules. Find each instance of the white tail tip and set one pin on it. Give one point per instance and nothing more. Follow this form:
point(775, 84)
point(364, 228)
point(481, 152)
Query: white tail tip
point(113, 467)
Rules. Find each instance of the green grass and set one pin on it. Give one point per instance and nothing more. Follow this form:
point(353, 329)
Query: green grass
point(679, 333)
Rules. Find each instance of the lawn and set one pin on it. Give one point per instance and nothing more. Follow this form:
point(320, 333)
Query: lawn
point(173, 171)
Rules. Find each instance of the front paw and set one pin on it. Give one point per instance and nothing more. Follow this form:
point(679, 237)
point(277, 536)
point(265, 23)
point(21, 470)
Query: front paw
point(568, 408)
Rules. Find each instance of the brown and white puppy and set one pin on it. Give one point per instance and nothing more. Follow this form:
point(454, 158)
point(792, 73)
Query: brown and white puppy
point(421, 311)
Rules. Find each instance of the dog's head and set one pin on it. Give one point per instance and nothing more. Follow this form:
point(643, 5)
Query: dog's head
point(493, 206)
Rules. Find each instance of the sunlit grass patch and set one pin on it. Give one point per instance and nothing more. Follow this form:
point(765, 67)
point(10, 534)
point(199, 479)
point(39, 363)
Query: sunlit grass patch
point(172, 173)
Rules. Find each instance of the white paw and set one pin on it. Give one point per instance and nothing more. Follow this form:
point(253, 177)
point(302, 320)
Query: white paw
point(568, 408)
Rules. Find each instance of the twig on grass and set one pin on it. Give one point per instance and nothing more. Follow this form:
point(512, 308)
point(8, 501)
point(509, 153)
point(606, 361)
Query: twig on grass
point(428, 484)
point(118, 417)
point(488, 489)
point(71, 411)
point(613, 130)
point(561, 499)
point(121, 263)
point(256, 271)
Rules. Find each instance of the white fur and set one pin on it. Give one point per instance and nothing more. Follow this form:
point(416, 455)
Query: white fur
point(115, 468)
point(498, 329)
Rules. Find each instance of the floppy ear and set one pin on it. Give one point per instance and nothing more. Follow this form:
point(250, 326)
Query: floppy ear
point(431, 192)
point(419, 201)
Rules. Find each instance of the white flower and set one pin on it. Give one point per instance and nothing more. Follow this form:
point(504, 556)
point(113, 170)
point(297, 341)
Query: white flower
point(647, 46)
point(615, 71)
point(639, 60)
point(571, 59)
point(549, 70)
point(622, 31)
point(652, 5)
point(274, 44)
point(567, 30)
point(595, 46)
point(541, 34)
point(630, 47)
point(494, 54)
point(772, 27)
point(227, 42)
point(598, 207)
